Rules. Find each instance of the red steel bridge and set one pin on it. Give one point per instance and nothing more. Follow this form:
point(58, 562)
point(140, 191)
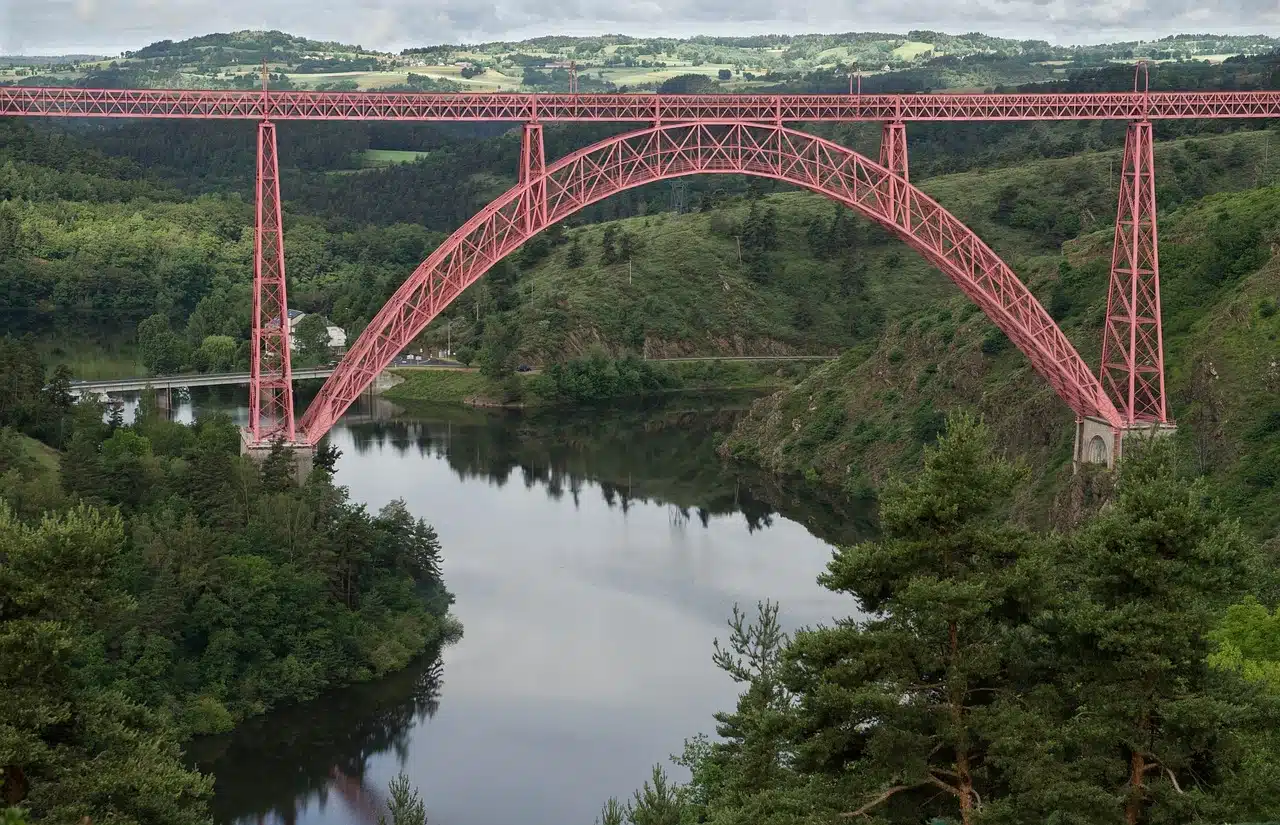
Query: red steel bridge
point(702, 134)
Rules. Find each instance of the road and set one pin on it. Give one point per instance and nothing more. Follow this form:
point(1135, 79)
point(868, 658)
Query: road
point(750, 358)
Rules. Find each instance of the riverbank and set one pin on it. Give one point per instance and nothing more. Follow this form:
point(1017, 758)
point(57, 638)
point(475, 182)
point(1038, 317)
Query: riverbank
point(537, 389)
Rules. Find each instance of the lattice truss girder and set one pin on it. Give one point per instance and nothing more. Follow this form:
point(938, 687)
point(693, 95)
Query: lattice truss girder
point(1132, 370)
point(293, 105)
point(768, 150)
point(271, 381)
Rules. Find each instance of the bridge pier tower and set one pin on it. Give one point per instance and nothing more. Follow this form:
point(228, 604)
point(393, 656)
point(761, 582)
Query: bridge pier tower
point(1132, 370)
point(270, 375)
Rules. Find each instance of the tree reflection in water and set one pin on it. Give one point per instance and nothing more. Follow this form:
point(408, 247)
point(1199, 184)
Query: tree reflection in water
point(661, 452)
point(270, 768)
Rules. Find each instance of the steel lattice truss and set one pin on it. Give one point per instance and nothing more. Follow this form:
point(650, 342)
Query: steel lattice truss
point(729, 147)
point(271, 383)
point(657, 109)
point(1132, 346)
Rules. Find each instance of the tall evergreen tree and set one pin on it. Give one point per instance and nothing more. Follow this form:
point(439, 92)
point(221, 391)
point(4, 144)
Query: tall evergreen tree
point(914, 682)
point(1145, 730)
point(573, 256)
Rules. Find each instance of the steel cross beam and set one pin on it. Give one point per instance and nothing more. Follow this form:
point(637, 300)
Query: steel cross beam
point(533, 163)
point(893, 156)
point(292, 105)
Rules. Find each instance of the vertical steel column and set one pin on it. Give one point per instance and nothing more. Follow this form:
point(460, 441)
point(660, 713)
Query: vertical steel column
point(533, 161)
point(271, 381)
point(1132, 369)
point(893, 149)
point(893, 156)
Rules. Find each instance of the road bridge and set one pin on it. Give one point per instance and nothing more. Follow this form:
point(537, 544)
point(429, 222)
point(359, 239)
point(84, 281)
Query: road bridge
point(116, 386)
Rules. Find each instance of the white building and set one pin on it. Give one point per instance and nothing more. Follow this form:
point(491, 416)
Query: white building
point(337, 335)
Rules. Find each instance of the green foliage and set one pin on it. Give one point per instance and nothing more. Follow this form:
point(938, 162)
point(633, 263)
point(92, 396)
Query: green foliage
point(31, 400)
point(405, 806)
point(72, 746)
point(1141, 589)
point(574, 256)
point(217, 353)
point(499, 349)
point(312, 339)
point(992, 674)
point(598, 377)
point(183, 590)
point(159, 347)
point(1249, 643)
point(688, 84)
point(995, 342)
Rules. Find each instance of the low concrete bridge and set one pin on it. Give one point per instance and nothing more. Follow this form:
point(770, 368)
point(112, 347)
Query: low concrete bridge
point(115, 386)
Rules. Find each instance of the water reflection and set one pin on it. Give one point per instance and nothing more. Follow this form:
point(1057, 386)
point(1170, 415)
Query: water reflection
point(595, 556)
point(661, 452)
point(276, 768)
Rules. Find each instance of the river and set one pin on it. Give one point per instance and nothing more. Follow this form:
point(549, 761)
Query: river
point(595, 557)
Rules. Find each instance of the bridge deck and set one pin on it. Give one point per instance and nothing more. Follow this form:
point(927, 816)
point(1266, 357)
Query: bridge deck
point(634, 108)
point(161, 382)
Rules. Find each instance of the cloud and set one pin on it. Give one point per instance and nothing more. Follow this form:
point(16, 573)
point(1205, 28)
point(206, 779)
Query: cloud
point(112, 25)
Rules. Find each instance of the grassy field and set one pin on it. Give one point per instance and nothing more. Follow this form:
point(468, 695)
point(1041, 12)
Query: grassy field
point(911, 50)
point(381, 158)
point(91, 363)
point(444, 386)
point(640, 76)
point(44, 456)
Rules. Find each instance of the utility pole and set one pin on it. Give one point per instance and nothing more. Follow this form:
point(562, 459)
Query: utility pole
point(448, 331)
point(628, 272)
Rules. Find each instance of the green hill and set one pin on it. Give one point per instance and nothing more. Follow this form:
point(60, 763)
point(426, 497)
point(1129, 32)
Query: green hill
point(922, 60)
point(856, 419)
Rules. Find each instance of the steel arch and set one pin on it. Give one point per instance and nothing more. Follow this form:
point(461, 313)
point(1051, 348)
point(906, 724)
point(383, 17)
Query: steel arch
point(724, 147)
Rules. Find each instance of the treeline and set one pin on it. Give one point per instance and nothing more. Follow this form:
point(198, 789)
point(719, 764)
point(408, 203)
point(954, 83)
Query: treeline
point(156, 585)
point(1116, 673)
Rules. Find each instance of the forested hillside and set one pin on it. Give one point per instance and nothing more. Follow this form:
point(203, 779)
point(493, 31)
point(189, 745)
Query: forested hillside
point(155, 585)
point(854, 420)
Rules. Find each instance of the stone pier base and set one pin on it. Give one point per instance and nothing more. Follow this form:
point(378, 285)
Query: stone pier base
point(1098, 443)
point(303, 455)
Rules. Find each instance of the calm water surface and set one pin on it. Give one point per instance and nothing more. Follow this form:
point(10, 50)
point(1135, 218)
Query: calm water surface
point(594, 558)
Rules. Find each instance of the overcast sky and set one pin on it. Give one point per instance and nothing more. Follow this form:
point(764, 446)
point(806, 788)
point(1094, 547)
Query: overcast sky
point(109, 26)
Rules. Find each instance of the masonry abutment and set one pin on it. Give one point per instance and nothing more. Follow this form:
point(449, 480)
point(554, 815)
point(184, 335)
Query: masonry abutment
point(302, 455)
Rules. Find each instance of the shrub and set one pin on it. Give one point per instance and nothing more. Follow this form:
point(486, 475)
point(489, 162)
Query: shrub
point(995, 343)
point(598, 377)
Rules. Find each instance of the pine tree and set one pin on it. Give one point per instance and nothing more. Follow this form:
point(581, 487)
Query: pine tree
point(608, 253)
point(326, 459)
point(745, 775)
point(912, 683)
point(406, 807)
point(1149, 732)
point(573, 256)
point(277, 470)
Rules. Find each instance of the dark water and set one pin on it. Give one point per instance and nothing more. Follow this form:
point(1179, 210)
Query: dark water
point(595, 558)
